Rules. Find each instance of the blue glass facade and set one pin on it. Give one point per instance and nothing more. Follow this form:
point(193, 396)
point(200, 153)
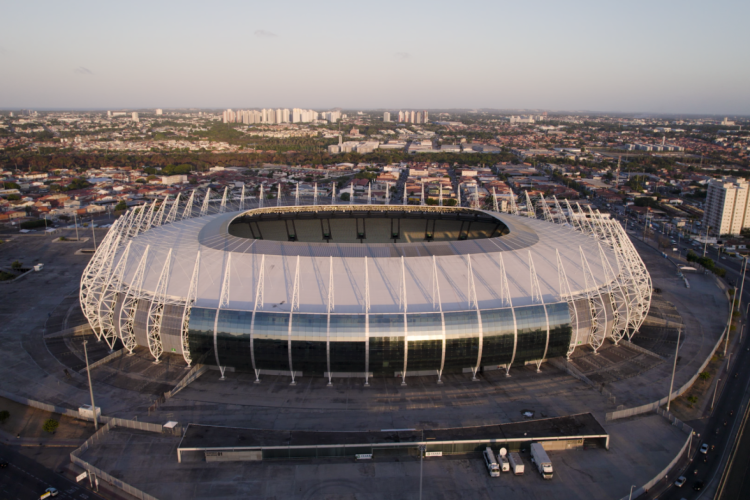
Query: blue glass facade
point(342, 341)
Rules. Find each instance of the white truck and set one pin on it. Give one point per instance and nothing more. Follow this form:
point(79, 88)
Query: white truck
point(542, 461)
point(516, 465)
point(502, 457)
point(489, 460)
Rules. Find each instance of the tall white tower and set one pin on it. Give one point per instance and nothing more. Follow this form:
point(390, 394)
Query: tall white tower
point(386, 116)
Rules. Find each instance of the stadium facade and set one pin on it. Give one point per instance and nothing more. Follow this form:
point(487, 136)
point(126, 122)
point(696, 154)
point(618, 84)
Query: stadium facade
point(363, 290)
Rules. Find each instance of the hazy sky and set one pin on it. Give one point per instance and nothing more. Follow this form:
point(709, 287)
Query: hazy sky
point(634, 56)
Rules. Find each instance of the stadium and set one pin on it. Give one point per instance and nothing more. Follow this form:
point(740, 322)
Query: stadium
point(363, 290)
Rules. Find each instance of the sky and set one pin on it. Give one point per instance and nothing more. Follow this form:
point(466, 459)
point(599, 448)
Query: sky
point(656, 56)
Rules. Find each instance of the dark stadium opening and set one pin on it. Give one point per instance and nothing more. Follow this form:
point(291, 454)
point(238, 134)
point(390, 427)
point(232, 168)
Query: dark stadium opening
point(366, 224)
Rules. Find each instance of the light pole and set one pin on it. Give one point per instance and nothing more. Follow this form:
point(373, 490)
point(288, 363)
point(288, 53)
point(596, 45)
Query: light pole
point(630, 497)
point(421, 460)
point(742, 286)
point(674, 367)
point(91, 388)
point(705, 243)
point(714, 398)
point(93, 233)
point(729, 324)
point(75, 223)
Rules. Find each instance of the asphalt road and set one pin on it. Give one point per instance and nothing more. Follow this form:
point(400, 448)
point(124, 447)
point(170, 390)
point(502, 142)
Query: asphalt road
point(719, 426)
point(25, 479)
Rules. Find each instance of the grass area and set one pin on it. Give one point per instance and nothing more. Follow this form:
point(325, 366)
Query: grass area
point(6, 276)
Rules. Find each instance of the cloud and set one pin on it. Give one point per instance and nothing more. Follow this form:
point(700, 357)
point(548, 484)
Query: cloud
point(265, 34)
point(403, 55)
point(83, 71)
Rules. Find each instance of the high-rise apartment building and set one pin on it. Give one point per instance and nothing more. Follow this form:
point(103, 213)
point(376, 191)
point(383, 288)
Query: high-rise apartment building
point(135, 117)
point(401, 117)
point(727, 206)
point(159, 112)
point(386, 116)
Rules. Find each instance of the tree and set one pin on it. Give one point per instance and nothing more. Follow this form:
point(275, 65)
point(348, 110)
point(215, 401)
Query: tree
point(345, 196)
point(50, 425)
point(121, 206)
point(16, 265)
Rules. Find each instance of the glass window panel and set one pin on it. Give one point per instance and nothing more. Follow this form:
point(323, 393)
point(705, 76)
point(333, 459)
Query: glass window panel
point(424, 355)
point(498, 332)
point(532, 333)
point(462, 344)
point(386, 354)
point(347, 327)
point(201, 335)
point(233, 339)
point(348, 357)
point(560, 329)
point(309, 357)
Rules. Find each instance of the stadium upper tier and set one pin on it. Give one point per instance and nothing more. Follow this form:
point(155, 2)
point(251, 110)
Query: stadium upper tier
point(260, 288)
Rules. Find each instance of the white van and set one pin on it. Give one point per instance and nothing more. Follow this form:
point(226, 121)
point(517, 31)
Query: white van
point(489, 460)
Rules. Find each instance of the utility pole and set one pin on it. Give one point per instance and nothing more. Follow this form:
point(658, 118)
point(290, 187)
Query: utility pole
point(714, 398)
point(421, 459)
point(729, 324)
point(742, 286)
point(705, 243)
point(91, 388)
point(674, 366)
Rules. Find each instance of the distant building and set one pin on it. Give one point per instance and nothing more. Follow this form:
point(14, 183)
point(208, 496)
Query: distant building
point(159, 112)
point(386, 116)
point(174, 179)
point(135, 117)
point(727, 209)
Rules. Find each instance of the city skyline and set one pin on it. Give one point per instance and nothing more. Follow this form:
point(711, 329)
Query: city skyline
point(681, 58)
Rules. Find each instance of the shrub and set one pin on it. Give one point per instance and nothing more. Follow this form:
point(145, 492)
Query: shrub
point(704, 375)
point(4, 416)
point(692, 399)
point(50, 425)
point(16, 266)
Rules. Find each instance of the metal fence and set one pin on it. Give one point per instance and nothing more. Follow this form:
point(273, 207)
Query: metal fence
point(195, 372)
point(629, 412)
point(104, 360)
point(99, 436)
point(644, 489)
point(75, 331)
point(42, 406)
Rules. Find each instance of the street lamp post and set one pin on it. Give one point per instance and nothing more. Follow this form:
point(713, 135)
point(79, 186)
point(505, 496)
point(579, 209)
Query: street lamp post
point(421, 460)
point(75, 223)
point(729, 324)
point(705, 243)
point(714, 398)
point(93, 233)
point(630, 497)
point(91, 388)
point(674, 367)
